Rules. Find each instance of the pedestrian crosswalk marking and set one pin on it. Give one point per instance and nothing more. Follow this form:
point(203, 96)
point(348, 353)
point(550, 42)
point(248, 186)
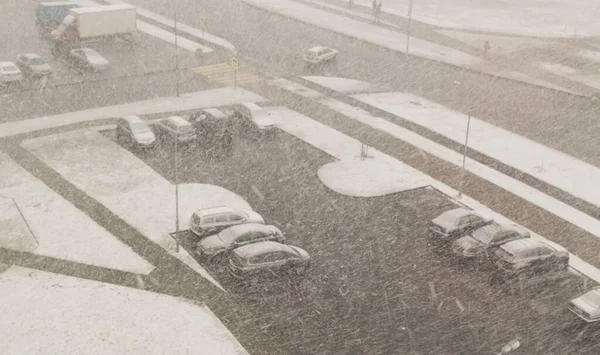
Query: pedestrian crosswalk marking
point(225, 74)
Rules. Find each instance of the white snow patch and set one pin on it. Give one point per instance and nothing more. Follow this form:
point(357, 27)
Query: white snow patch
point(498, 44)
point(45, 313)
point(128, 187)
point(15, 232)
point(295, 88)
point(562, 210)
point(344, 85)
point(167, 36)
point(559, 18)
point(586, 78)
point(367, 177)
point(549, 165)
point(61, 230)
point(189, 101)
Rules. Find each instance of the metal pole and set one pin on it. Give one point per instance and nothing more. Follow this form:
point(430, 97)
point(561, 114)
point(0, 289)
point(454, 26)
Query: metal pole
point(176, 57)
point(410, 3)
point(465, 152)
point(177, 193)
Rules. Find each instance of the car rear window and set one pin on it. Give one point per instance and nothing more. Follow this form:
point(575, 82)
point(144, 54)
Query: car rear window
point(237, 260)
point(10, 69)
point(36, 61)
point(504, 255)
point(186, 128)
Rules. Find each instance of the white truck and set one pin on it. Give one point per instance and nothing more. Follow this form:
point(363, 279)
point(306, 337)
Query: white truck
point(96, 22)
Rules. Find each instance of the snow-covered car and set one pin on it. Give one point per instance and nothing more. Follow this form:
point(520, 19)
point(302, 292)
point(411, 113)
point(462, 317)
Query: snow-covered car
point(213, 220)
point(266, 259)
point(454, 224)
point(478, 243)
point(318, 55)
point(587, 306)
point(258, 116)
point(33, 64)
point(9, 73)
point(238, 236)
point(175, 127)
point(210, 124)
point(529, 256)
point(87, 58)
point(135, 131)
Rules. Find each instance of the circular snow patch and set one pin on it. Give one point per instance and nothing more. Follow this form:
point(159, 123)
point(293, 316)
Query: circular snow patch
point(370, 177)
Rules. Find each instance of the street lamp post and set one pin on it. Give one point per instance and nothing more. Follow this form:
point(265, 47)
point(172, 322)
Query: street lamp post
point(177, 194)
point(176, 56)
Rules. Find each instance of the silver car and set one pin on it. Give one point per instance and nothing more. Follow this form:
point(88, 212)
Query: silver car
point(454, 224)
point(478, 243)
point(529, 256)
point(33, 64)
point(237, 236)
point(87, 58)
point(212, 220)
point(135, 131)
point(254, 114)
point(587, 306)
point(10, 73)
point(175, 127)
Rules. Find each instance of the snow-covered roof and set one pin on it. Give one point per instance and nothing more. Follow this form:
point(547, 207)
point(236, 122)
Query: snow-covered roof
point(259, 248)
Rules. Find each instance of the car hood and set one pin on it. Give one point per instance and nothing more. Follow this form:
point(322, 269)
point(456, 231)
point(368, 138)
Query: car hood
point(212, 243)
point(264, 121)
point(254, 217)
point(466, 244)
point(97, 61)
point(144, 137)
point(43, 68)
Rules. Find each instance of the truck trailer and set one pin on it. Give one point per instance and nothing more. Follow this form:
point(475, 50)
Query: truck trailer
point(96, 22)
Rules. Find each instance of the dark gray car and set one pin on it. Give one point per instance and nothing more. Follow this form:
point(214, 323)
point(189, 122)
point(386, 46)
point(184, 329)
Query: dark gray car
point(453, 224)
point(267, 259)
point(238, 236)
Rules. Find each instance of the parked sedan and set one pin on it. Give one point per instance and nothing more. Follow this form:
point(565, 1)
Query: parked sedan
point(256, 115)
point(135, 131)
point(33, 64)
point(212, 220)
point(176, 127)
point(478, 243)
point(318, 55)
point(237, 236)
point(267, 258)
point(9, 73)
point(87, 58)
point(587, 306)
point(529, 256)
point(453, 224)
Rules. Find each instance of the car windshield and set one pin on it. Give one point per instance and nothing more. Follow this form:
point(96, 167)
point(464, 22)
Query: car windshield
point(185, 128)
point(592, 298)
point(485, 234)
point(36, 61)
point(140, 127)
point(504, 255)
point(228, 235)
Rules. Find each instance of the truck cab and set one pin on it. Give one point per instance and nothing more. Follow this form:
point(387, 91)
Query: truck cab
point(51, 14)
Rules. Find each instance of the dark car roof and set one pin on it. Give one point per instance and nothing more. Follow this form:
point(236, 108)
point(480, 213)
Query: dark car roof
point(250, 250)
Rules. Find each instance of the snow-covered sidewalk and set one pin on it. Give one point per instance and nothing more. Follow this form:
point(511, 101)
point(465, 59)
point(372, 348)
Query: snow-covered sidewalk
point(560, 209)
point(52, 226)
point(128, 187)
point(546, 164)
point(46, 313)
point(189, 101)
point(391, 39)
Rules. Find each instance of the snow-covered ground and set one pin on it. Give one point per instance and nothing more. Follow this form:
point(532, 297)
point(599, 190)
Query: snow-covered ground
point(558, 18)
point(549, 165)
point(128, 187)
point(498, 44)
point(344, 85)
point(46, 313)
point(189, 101)
point(59, 229)
point(392, 40)
point(583, 77)
point(542, 200)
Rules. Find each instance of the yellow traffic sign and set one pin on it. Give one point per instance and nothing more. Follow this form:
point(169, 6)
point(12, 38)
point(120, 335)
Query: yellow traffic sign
point(235, 63)
point(202, 21)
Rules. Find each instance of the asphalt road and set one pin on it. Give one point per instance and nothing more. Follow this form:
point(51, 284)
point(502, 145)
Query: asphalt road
point(369, 288)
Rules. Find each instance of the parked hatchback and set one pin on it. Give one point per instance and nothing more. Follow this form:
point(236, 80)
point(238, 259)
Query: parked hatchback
point(256, 115)
point(237, 236)
point(10, 73)
point(87, 58)
point(529, 256)
point(318, 55)
point(267, 258)
point(33, 64)
point(478, 243)
point(175, 127)
point(135, 131)
point(587, 306)
point(212, 220)
point(453, 224)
